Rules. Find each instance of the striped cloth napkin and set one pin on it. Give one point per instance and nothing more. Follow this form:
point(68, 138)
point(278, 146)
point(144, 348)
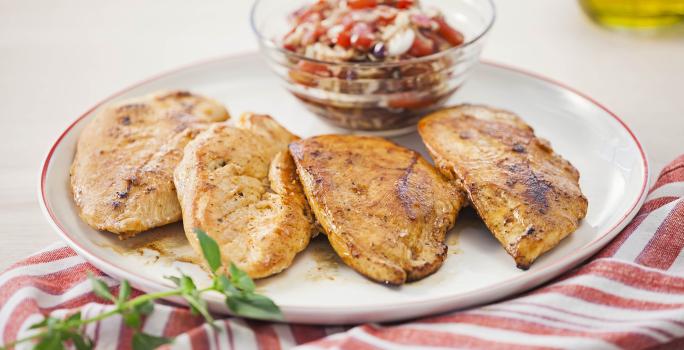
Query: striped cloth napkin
point(629, 296)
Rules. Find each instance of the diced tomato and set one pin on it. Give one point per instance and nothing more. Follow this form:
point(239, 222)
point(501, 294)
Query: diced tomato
point(386, 18)
point(301, 78)
point(421, 20)
point(347, 21)
point(403, 4)
point(362, 36)
point(362, 4)
point(289, 43)
point(307, 73)
point(453, 36)
point(313, 68)
point(422, 46)
point(409, 100)
point(305, 15)
point(312, 35)
point(344, 39)
point(362, 42)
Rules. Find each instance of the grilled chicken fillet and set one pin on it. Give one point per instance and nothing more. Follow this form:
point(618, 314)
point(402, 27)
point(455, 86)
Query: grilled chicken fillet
point(384, 208)
point(122, 174)
point(528, 196)
point(240, 186)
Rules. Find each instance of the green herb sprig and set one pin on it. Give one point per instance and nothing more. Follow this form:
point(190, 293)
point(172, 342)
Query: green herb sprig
point(237, 288)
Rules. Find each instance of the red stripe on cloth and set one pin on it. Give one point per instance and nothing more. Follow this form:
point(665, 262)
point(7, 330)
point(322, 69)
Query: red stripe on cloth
point(97, 330)
point(557, 309)
point(632, 275)
point(596, 296)
point(229, 329)
point(199, 339)
point(181, 320)
point(667, 242)
point(336, 343)
point(216, 338)
point(125, 337)
point(304, 334)
point(617, 242)
point(674, 172)
point(48, 256)
point(622, 339)
point(423, 337)
point(654, 204)
point(676, 344)
point(266, 337)
point(533, 314)
point(18, 316)
point(576, 324)
point(662, 332)
point(355, 344)
point(30, 306)
point(54, 283)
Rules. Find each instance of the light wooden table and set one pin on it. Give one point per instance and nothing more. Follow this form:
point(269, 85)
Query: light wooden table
point(58, 58)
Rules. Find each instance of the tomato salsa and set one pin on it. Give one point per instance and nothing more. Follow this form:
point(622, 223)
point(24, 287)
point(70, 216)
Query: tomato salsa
point(369, 31)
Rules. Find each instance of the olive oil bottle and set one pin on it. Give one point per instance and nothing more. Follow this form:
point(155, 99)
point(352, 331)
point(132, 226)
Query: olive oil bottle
point(635, 14)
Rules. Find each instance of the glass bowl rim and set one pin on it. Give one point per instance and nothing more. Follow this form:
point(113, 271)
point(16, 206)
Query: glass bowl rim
point(270, 44)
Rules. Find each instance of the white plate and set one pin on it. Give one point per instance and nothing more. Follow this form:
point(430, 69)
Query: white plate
point(318, 288)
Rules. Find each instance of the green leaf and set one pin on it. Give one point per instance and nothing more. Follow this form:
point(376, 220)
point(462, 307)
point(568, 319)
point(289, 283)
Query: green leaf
point(142, 341)
point(40, 324)
point(187, 286)
point(131, 319)
point(51, 341)
point(124, 291)
point(145, 308)
point(173, 279)
point(101, 289)
point(227, 286)
point(198, 306)
point(80, 341)
point(73, 321)
point(240, 279)
point(52, 322)
point(210, 249)
point(254, 306)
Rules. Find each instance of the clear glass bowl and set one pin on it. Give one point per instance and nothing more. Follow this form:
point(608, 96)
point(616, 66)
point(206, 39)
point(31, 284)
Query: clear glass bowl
point(374, 96)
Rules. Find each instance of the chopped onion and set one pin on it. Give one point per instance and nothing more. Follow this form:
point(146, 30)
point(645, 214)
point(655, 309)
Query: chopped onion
point(401, 42)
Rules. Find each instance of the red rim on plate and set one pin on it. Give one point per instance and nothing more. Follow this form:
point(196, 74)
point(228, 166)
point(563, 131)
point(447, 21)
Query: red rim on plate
point(531, 278)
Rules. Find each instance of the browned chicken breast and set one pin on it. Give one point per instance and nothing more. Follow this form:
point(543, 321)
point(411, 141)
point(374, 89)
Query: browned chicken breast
point(122, 174)
point(384, 208)
point(239, 185)
point(528, 196)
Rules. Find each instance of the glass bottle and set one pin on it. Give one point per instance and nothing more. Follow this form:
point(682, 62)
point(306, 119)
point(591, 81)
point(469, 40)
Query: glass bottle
point(635, 14)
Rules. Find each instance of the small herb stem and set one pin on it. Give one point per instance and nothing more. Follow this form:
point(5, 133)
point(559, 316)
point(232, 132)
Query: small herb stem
point(22, 340)
point(238, 292)
point(129, 304)
point(133, 302)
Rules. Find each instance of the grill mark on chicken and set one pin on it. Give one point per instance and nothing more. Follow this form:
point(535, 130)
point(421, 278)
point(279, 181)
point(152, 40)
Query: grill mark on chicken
point(122, 173)
point(239, 185)
point(133, 107)
point(174, 95)
point(527, 195)
point(537, 189)
point(387, 215)
point(404, 191)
